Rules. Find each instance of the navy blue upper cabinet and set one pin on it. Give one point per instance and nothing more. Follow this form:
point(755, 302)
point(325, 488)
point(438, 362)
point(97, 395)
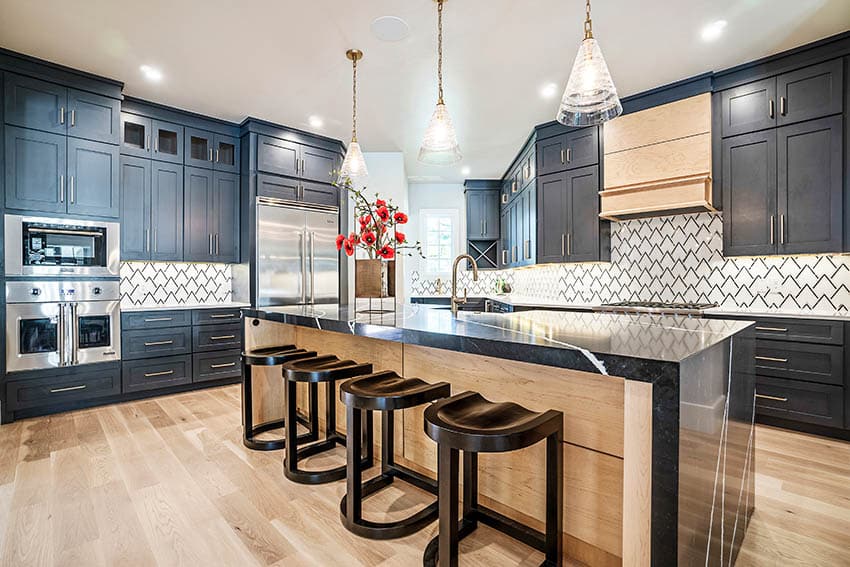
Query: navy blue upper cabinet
point(810, 187)
point(199, 151)
point(93, 117)
point(225, 217)
point(278, 156)
point(35, 170)
point(135, 135)
point(226, 153)
point(197, 223)
point(166, 212)
point(587, 236)
point(167, 141)
point(276, 187)
point(810, 92)
point(748, 108)
point(32, 103)
point(578, 148)
point(135, 208)
point(318, 164)
point(552, 217)
point(93, 178)
point(319, 194)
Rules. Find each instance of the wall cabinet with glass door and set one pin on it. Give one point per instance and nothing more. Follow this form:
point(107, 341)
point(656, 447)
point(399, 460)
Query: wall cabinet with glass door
point(151, 138)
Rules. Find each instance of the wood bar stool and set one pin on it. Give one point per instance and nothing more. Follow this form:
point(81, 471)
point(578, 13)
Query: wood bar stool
point(326, 369)
point(273, 356)
point(385, 392)
point(468, 422)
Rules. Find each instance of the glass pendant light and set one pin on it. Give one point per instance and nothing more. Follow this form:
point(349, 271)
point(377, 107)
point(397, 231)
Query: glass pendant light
point(354, 165)
point(439, 146)
point(590, 97)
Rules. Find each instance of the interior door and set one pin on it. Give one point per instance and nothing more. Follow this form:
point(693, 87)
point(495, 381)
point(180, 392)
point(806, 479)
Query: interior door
point(281, 258)
point(323, 269)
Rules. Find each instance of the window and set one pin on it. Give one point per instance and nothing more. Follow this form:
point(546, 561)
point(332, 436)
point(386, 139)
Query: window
point(440, 240)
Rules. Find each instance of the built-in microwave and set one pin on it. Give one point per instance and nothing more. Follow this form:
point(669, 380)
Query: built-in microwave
point(40, 246)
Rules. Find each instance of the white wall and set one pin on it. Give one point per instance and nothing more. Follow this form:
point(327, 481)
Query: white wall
point(388, 177)
point(434, 196)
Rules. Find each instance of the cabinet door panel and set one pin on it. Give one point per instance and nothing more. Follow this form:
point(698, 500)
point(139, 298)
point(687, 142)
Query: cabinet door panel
point(93, 117)
point(198, 151)
point(166, 212)
point(226, 214)
point(550, 155)
point(135, 207)
point(319, 193)
point(135, 135)
point(226, 153)
point(277, 156)
point(31, 103)
point(141, 375)
point(318, 164)
point(748, 108)
point(811, 92)
point(504, 227)
point(284, 188)
point(475, 214)
point(749, 194)
point(551, 218)
point(491, 215)
point(583, 215)
point(528, 220)
point(167, 142)
point(810, 188)
point(197, 225)
point(582, 148)
point(93, 178)
point(35, 170)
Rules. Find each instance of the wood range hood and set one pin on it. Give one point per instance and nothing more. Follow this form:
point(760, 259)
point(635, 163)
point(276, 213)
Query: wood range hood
point(658, 161)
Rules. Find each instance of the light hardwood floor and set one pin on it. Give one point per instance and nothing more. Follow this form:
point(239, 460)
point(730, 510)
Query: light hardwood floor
point(167, 481)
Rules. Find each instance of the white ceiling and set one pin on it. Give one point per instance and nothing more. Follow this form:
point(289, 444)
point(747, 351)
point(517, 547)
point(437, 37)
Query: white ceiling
point(283, 61)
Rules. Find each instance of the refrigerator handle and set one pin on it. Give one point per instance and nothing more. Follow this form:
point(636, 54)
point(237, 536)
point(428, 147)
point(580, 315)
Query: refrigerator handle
point(304, 266)
point(312, 267)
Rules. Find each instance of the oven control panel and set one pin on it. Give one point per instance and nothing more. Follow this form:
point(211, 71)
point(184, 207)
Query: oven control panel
point(61, 291)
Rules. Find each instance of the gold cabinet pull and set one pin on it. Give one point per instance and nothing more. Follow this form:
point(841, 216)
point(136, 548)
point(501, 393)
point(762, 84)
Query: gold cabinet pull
point(224, 316)
point(159, 343)
point(773, 329)
point(770, 108)
point(228, 365)
point(68, 389)
point(771, 359)
point(222, 337)
point(774, 398)
point(163, 373)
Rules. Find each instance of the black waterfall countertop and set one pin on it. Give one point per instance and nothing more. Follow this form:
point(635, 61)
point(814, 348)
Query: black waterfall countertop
point(637, 347)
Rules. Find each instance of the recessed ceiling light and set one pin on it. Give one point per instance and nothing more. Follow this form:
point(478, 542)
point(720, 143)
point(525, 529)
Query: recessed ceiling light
point(712, 31)
point(549, 90)
point(465, 171)
point(151, 73)
point(316, 122)
point(390, 28)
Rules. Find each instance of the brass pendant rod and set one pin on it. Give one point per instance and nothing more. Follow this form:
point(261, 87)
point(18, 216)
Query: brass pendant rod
point(354, 55)
point(588, 23)
point(440, 50)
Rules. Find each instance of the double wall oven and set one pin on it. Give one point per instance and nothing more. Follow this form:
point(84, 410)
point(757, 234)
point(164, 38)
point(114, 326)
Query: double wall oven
point(62, 292)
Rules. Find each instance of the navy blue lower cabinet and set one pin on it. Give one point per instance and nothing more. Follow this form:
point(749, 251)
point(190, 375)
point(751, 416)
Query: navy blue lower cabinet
point(805, 402)
point(136, 320)
point(93, 178)
point(209, 366)
point(216, 316)
point(216, 337)
point(35, 170)
point(156, 342)
point(156, 373)
point(60, 387)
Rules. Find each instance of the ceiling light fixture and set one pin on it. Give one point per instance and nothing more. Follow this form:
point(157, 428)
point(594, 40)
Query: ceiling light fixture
point(151, 73)
point(439, 145)
point(465, 171)
point(549, 90)
point(354, 164)
point(316, 121)
point(590, 97)
point(712, 31)
point(390, 28)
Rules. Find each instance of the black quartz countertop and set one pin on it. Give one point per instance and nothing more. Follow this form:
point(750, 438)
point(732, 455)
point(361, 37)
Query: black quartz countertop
point(639, 347)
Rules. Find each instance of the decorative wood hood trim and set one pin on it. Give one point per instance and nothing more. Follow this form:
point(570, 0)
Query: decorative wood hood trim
point(658, 161)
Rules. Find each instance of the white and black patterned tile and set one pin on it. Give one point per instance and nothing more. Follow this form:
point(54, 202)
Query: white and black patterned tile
point(153, 284)
point(678, 258)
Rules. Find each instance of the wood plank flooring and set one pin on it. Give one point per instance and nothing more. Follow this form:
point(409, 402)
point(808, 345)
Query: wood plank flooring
point(167, 481)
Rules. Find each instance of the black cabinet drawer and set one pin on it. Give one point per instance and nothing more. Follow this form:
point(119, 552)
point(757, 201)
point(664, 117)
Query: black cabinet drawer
point(79, 384)
point(800, 330)
point(216, 365)
point(800, 401)
point(154, 373)
point(800, 361)
point(156, 342)
point(217, 337)
point(155, 319)
point(216, 316)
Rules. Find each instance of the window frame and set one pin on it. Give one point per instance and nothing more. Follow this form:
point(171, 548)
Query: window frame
point(454, 217)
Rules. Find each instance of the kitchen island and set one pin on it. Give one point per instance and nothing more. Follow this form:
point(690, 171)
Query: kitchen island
point(658, 429)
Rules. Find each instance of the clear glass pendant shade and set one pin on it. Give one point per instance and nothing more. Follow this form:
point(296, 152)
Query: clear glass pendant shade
point(354, 165)
point(439, 146)
point(590, 97)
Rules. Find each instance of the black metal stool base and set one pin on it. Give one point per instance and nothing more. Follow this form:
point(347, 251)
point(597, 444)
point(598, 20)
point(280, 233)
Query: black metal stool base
point(295, 474)
point(399, 528)
point(249, 437)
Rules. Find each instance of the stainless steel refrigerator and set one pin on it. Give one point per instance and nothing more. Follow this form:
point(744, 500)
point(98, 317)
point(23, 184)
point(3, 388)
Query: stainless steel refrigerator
point(297, 261)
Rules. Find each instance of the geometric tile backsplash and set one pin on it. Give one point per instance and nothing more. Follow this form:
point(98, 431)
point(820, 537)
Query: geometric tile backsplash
point(148, 284)
point(677, 258)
